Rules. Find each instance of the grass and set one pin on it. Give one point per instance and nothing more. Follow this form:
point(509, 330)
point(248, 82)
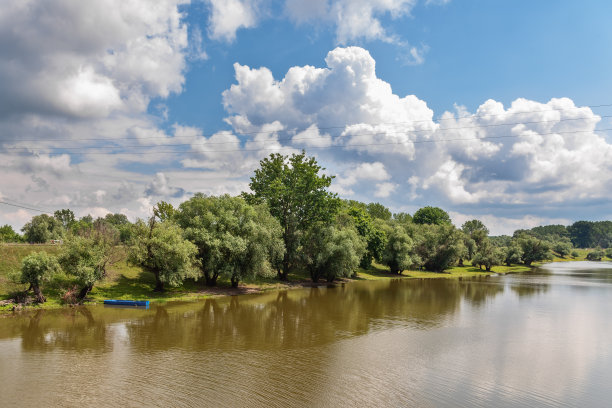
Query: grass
point(124, 281)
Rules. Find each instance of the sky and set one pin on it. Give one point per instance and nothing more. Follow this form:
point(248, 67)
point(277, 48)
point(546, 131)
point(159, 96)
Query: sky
point(495, 110)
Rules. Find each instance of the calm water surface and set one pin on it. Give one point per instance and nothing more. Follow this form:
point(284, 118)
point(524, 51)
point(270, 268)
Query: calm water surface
point(542, 339)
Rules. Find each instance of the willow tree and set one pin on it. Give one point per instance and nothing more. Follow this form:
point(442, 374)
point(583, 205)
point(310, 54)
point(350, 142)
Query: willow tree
point(87, 255)
point(332, 251)
point(161, 249)
point(399, 252)
point(233, 239)
point(439, 246)
point(37, 268)
point(297, 196)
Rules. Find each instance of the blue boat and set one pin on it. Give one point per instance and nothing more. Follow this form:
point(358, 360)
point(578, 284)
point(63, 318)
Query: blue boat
point(113, 302)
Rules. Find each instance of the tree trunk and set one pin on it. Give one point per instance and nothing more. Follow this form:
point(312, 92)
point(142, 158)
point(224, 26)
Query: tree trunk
point(84, 292)
point(488, 268)
point(38, 293)
point(211, 279)
point(159, 285)
point(460, 262)
point(285, 272)
point(235, 281)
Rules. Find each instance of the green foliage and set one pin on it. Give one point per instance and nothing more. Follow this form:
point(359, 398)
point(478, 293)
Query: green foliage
point(87, 256)
point(576, 254)
point(116, 219)
point(562, 247)
point(65, 217)
point(159, 248)
point(402, 218)
point(431, 215)
point(534, 249)
point(501, 240)
point(332, 251)
point(399, 253)
point(476, 230)
point(164, 211)
point(513, 254)
point(589, 234)
point(37, 268)
point(377, 210)
point(595, 255)
point(233, 238)
point(297, 197)
point(439, 246)
point(42, 228)
point(121, 223)
point(488, 255)
point(370, 231)
point(7, 234)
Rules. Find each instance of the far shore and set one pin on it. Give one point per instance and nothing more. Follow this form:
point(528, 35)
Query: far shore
point(125, 283)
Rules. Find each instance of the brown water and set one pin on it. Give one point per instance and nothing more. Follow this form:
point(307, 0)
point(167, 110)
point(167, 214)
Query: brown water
point(542, 339)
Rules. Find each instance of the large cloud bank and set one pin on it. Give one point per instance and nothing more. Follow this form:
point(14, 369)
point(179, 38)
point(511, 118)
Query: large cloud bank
point(526, 155)
point(82, 76)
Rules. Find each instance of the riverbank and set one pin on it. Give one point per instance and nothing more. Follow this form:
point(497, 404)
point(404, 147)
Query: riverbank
point(129, 282)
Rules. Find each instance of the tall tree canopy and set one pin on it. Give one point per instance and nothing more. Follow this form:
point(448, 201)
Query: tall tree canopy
point(297, 197)
point(42, 228)
point(377, 210)
point(65, 217)
point(431, 215)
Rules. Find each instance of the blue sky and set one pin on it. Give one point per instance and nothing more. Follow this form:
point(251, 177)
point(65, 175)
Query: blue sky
point(360, 84)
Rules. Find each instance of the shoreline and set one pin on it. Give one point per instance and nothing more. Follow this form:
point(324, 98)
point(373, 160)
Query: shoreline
point(256, 286)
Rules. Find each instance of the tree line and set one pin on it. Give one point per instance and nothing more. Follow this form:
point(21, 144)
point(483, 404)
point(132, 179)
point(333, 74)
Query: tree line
point(289, 222)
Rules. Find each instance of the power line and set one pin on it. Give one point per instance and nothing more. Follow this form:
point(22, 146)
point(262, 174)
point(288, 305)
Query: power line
point(280, 148)
point(294, 139)
point(23, 206)
point(434, 120)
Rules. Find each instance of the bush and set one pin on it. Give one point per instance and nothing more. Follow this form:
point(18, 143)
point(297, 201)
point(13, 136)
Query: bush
point(595, 255)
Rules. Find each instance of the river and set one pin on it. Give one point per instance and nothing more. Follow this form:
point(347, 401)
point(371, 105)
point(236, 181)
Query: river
point(538, 339)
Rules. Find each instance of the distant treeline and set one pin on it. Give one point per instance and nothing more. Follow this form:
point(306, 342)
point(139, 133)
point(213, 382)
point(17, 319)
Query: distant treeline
point(289, 222)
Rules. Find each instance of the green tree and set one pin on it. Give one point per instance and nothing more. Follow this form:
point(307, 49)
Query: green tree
point(377, 210)
point(234, 239)
point(476, 230)
point(534, 249)
point(609, 253)
point(399, 253)
point(402, 218)
point(37, 268)
point(431, 215)
point(488, 255)
point(581, 234)
point(331, 251)
point(86, 256)
point(563, 247)
point(65, 217)
point(439, 246)
point(116, 219)
point(164, 211)
point(297, 197)
point(7, 234)
point(369, 230)
point(159, 248)
point(41, 229)
point(513, 254)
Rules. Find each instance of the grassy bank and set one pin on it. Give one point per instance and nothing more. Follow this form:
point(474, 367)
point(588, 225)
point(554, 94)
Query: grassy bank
point(129, 282)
